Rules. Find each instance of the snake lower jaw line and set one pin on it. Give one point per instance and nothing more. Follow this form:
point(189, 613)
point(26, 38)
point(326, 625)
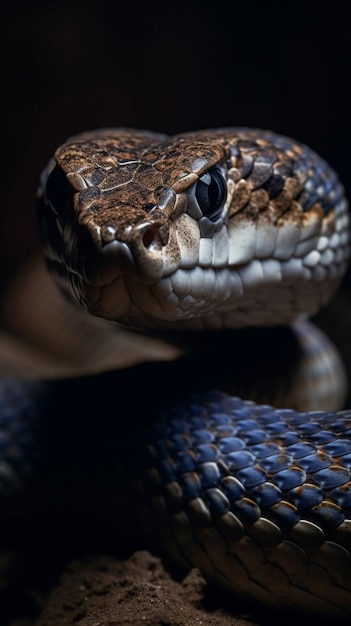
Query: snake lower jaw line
point(178, 300)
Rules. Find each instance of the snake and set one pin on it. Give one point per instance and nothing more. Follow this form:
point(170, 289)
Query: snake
point(230, 237)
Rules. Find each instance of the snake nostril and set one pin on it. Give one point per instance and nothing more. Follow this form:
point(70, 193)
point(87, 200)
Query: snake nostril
point(150, 237)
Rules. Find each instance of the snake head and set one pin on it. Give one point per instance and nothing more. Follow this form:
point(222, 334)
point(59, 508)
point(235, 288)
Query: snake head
point(226, 227)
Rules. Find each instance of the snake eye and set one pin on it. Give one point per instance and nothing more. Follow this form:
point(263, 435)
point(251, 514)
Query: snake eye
point(211, 193)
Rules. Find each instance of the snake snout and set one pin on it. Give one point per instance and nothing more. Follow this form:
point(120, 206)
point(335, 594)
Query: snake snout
point(116, 259)
point(138, 254)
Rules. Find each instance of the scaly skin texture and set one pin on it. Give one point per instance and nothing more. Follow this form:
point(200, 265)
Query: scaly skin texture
point(208, 230)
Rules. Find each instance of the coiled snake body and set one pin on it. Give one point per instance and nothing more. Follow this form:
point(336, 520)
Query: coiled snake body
point(200, 232)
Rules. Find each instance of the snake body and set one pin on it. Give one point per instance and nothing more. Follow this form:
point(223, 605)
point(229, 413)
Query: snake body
point(205, 231)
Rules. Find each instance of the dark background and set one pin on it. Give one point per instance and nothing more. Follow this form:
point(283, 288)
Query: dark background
point(73, 66)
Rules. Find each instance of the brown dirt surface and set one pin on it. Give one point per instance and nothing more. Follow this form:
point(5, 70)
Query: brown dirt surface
point(103, 591)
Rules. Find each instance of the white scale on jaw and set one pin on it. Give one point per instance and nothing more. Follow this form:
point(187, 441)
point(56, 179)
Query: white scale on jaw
point(237, 263)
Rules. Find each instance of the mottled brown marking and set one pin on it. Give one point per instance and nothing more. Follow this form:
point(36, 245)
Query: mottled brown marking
point(293, 186)
point(260, 198)
point(241, 197)
point(282, 202)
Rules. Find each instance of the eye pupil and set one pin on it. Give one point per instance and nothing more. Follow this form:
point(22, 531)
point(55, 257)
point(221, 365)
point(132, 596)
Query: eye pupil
point(210, 193)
